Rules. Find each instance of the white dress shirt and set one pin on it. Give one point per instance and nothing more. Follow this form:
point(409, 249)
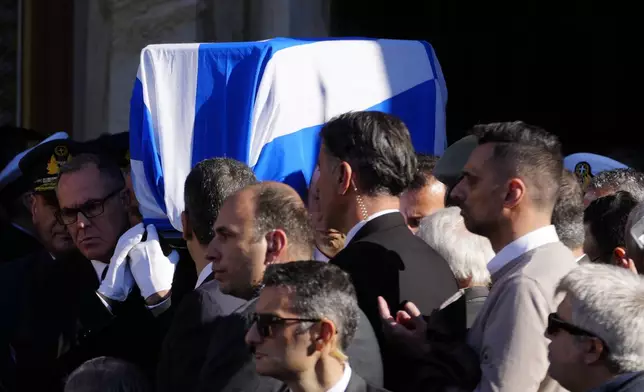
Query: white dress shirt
point(207, 270)
point(355, 229)
point(341, 386)
point(530, 241)
point(319, 256)
point(99, 267)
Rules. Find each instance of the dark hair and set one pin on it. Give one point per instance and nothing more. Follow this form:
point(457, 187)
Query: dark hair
point(105, 165)
point(615, 180)
point(320, 290)
point(106, 374)
point(207, 186)
point(529, 152)
point(277, 206)
point(606, 218)
point(568, 214)
point(378, 148)
point(424, 170)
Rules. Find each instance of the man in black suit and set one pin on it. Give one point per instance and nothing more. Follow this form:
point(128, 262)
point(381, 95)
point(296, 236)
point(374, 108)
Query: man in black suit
point(104, 303)
point(366, 161)
point(184, 348)
point(305, 319)
point(258, 226)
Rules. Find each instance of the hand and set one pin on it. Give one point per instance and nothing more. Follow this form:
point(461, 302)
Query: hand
point(118, 280)
point(407, 332)
point(152, 270)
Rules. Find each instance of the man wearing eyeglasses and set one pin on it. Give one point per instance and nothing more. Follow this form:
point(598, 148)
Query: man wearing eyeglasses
point(597, 332)
point(261, 225)
point(102, 302)
point(305, 318)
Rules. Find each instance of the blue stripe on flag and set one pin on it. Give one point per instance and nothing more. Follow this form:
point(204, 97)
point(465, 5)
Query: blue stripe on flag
point(292, 158)
point(227, 82)
point(142, 145)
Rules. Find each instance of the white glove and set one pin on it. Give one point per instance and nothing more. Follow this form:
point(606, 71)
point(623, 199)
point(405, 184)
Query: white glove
point(118, 281)
point(152, 270)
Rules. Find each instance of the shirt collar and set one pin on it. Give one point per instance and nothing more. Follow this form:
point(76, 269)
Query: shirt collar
point(99, 267)
point(319, 256)
point(203, 275)
point(341, 386)
point(522, 245)
point(355, 229)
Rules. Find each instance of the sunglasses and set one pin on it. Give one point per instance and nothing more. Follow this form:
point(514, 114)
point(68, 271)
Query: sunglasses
point(556, 324)
point(265, 322)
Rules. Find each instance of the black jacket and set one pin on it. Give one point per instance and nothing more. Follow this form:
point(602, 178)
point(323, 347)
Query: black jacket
point(65, 323)
point(186, 343)
point(376, 257)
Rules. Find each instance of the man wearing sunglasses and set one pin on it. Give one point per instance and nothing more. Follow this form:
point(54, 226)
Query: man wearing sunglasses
point(305, 318)
point(261, 225)
point(597, 332)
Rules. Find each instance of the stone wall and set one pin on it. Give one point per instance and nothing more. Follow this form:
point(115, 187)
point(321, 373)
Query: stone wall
point(109, 36)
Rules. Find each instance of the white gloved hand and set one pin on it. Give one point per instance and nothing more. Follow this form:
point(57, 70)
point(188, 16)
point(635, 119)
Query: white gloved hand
point(152, 270)
point(118, 281)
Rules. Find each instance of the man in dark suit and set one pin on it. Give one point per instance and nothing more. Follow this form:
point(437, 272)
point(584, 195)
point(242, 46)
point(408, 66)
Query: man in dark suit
point(103, 303)
point(258, 226)
point(184, 348)
point(366, 161)
point(305, 319)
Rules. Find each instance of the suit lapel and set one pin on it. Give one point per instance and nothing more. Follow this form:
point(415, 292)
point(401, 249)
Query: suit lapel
point(356, 384)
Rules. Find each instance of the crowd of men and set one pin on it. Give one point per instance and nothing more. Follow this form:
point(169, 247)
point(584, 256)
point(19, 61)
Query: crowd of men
point(489, 269)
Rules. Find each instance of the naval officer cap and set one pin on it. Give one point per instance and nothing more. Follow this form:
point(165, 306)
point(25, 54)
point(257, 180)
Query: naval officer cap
point(42, 164)
point(115, 146)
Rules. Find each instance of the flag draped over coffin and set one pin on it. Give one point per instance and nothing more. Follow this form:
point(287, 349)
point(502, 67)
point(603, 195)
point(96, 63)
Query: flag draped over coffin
point(263, 103)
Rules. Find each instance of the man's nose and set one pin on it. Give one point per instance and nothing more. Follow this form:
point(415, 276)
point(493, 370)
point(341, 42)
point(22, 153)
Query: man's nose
point(212, 253)
point(81, 220)
point(252, 337)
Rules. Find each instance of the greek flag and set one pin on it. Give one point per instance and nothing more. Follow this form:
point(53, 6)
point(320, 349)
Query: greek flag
point(264, 103)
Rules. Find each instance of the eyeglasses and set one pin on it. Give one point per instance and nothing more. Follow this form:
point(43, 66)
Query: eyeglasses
point(90, 209)
point(264, 322)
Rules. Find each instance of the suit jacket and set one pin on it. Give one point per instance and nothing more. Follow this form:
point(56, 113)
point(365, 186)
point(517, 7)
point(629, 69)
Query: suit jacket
point(65, 323)
point(386, 259)
point(625, 383)
point(186, 343)
point(508, 334)
point(230, 365)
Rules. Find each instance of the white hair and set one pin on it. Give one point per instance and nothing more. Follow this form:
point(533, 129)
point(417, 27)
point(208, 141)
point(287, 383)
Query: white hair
point(609, 302)
point(466, 253)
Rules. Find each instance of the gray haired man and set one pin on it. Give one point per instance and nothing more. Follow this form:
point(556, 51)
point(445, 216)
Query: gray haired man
point(597, 331)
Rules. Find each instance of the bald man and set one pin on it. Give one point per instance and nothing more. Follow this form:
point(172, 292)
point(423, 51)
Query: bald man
point(260, 225)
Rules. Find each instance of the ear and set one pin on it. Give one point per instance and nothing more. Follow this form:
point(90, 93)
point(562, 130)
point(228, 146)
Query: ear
point(327, 332)
point(594, 351)
point(276, 243)
point(515, 192)
point(124, 195)
point(187, 229)
point(621, 259)
point(345, 178)
point(32, 203)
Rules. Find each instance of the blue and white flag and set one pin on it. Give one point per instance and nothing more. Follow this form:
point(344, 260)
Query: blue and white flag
point(264, 103)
